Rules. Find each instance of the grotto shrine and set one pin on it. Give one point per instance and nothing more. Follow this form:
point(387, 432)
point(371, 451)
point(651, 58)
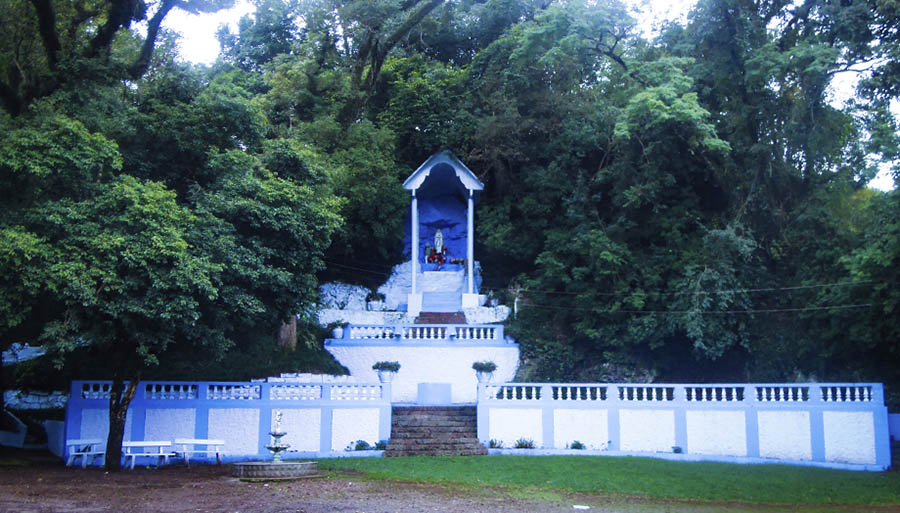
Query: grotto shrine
point(429, 315)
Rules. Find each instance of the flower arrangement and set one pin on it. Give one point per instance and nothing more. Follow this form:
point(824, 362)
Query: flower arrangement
point(435, 256)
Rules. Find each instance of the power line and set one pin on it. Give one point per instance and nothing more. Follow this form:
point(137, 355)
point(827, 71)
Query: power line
point(702, 312)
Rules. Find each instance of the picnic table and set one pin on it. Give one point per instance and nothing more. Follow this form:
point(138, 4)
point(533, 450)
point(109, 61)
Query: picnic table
point(87, 449)
point(158, 449)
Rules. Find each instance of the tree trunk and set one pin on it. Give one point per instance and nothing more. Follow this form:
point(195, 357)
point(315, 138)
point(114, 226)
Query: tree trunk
point(287, 335)
point(118, 410)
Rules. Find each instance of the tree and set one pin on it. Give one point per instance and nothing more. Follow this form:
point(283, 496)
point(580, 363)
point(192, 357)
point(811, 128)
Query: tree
point(51, 44)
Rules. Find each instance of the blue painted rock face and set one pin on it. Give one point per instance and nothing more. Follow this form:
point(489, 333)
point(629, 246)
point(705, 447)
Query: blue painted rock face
point(446, 213)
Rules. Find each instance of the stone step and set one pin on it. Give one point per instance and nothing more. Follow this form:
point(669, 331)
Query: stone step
point(430, 433)
point(433, 421)
point(441, 318)
point(434, 430)
point(464, 452)
point(453, 410)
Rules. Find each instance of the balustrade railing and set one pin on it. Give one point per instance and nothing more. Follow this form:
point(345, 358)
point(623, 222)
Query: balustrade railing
point(170, 391)
point(667, 393)
point(846, 393)
point(646, 393)
point(425, 332)
point(250, 391)
point(356, 393)
point(714, 393)
point(295, 392)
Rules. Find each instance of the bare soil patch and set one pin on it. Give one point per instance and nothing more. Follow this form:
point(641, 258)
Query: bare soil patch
point(39, 483)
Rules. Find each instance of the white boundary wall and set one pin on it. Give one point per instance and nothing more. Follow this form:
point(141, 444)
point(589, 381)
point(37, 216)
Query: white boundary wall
point(321, 419)
point(842, 425)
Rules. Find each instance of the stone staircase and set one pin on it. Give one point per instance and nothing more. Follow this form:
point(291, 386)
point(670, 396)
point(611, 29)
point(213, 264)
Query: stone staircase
point(434, 431)
point(441, 318)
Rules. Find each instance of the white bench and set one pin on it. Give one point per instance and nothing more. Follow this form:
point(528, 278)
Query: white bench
point(147, 449)
point(189, 446)
point(88, 449)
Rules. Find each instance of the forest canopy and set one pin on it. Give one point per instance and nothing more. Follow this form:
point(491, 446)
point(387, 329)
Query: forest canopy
point(688, 208)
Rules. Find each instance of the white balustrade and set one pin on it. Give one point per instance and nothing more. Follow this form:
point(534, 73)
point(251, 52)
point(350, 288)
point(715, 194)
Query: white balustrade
point(296, 392)
point(514, 392)
point(233, 392)
point(170, 391)
point(714, 393)
point(95, 390)
point(426, 332)
point(355, 392)
point(782, 394)
point(578, 393)
point(646, 393)
point(466, 332)
point(846, 393)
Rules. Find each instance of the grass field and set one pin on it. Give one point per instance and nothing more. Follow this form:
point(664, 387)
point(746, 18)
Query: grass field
point(645, 477)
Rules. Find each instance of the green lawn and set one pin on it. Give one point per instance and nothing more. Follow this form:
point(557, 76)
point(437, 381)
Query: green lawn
point(641, 476)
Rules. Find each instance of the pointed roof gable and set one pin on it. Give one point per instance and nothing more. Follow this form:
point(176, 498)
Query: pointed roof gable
point(446, 162)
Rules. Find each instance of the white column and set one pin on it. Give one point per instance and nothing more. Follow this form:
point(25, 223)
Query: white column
point(470, 243)
point(414, 229)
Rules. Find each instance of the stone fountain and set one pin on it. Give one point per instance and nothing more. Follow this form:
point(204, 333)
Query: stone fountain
point(277, 469)
point(276, 446)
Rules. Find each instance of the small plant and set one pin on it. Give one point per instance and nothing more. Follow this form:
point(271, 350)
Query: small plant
point(381, 445)
point(485, 366)
point(374, 296)
point(676, 449)
point(524, 443)
point(495, 444)
point(362, 445)
point(577, 445)
point(387, 366)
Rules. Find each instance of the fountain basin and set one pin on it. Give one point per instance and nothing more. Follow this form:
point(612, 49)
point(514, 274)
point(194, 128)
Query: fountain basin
point(268, 471)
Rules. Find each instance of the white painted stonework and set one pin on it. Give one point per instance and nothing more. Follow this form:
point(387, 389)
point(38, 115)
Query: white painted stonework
point(507, 426)
point(849, 436)
point(487, 314)
point(784, 435)
point(341, 296)
point(647, 430)
point(24, 400)
point(18, 352)
point(397, 286)
point(303, 428)
point(239, 427)
point(436, 363)
point(327, 316)
point(352, 424)
point(590, 427)
point(716, 432)
point(169, 423)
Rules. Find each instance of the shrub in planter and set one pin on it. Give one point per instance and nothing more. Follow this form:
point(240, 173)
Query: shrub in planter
point(577, 445)
point(386, 370)
point(486, 366)
point(387, 366)
point(524, 443)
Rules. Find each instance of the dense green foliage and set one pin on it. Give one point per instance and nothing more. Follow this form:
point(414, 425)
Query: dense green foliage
point(639, 476)
point(688, 208)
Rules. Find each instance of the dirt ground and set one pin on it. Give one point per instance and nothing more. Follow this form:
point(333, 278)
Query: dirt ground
point(39, 483)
